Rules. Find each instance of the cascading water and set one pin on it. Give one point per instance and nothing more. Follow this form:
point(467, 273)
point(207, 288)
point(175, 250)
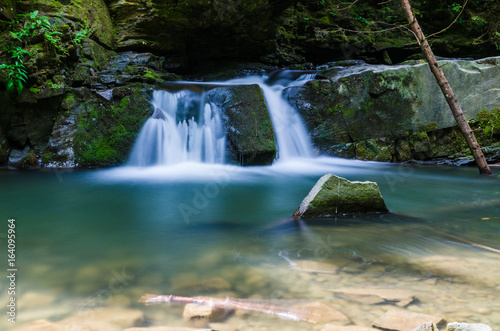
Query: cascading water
point(186, 128)
point(183, 128)
point(292, 138)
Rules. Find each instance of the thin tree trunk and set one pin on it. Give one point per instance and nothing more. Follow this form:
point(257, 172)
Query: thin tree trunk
point(447, 91)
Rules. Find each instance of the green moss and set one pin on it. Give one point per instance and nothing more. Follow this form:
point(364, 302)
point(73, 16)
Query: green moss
point(106, 133)
point(489, 123)
point(431, 126)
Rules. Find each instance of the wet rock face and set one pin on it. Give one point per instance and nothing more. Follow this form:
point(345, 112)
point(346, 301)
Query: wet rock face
point(334, 195)
point(398, 113)
point(250, 133)
point(193, 30)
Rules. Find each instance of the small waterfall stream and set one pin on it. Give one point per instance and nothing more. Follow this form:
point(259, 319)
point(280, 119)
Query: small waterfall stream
point(292, 138)
point(185, 127)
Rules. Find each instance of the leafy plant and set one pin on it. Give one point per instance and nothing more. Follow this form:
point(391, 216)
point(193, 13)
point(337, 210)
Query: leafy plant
point(16, 78)
point(456, 7)
point(23, 29)
point(81, 35)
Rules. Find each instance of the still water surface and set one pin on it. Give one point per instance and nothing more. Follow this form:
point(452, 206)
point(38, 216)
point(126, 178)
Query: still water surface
point(90, 239)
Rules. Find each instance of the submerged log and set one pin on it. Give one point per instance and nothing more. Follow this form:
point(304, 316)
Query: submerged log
point(296, 313)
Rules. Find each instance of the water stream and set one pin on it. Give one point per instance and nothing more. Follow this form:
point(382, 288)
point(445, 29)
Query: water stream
point(183, 128)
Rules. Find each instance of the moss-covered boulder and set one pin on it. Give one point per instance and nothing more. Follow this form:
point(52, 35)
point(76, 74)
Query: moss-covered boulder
point(250, 133)
point(106, 130)
point(333, 195)
point(78, 14)
point(394, 113)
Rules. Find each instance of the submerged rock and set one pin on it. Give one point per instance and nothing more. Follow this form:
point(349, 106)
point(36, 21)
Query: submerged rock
point(429, 326)
point(333, 195)
point(468, 327)
point(403, 320)
point(320, 312)
point(193, 311)
point(376, 295)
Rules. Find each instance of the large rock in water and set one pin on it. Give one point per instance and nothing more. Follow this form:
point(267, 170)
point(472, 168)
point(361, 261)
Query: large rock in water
point(333, 195)
point(250, 134)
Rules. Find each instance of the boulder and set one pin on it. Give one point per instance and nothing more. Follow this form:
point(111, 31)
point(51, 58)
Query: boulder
point(106, 131)
point(249, 129)
point(404, 320)
point(395, 113)
point(333, 195)
point(455, 326)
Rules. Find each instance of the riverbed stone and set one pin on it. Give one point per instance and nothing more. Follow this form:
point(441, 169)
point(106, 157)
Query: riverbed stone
point(455, 326)
point(193, 311)
point(404, 320)
point(321, 312)
point(428, 326)
point(333, 195)
point(373, 296)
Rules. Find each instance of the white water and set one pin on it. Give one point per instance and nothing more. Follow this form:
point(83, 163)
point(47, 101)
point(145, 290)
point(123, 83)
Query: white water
point(292, 138)
point(177, 133)
point(165, 140)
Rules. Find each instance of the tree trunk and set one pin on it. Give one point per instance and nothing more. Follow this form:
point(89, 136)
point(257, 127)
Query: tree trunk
point(447, 91)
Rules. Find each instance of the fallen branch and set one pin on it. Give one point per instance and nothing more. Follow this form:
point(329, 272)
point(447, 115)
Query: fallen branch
point(293, 314)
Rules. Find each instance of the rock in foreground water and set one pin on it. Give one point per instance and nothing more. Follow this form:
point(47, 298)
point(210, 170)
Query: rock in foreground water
point(468, 327)
point(403, 320)
point(333, 195)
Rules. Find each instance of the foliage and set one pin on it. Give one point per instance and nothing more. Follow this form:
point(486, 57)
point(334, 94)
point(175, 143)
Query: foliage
point(489, 122)
point(23, 29)
point(81, 35)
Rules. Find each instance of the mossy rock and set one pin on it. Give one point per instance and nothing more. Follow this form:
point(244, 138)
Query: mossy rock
point(106, 132)
point(250, 133)
point(333, 195)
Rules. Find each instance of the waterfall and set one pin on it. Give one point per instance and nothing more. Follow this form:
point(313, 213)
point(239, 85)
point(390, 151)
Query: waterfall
point(291, 134)
point(183, 128)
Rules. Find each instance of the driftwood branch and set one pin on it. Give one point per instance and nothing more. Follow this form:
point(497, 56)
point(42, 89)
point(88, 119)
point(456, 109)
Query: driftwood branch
point(227, 303)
